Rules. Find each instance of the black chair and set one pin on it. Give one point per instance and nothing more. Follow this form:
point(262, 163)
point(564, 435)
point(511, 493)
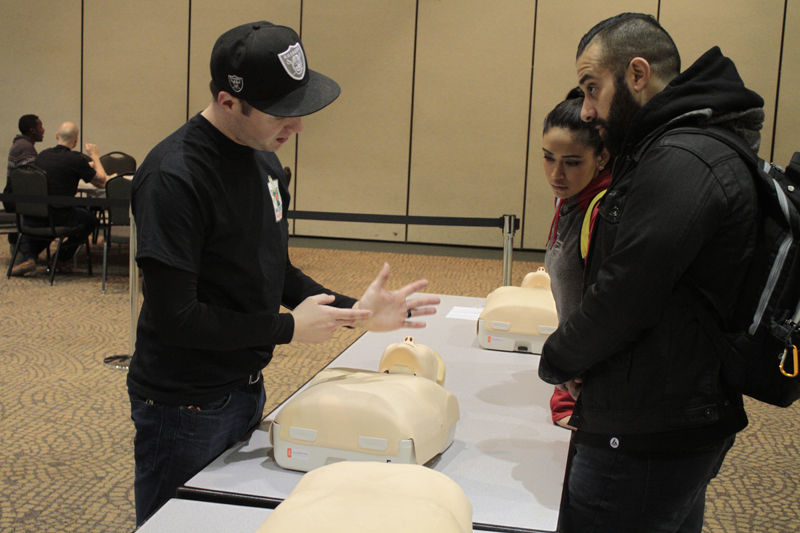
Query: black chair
point(117, 227)
point(32, 181)
point(118, 163)
point(7, 222)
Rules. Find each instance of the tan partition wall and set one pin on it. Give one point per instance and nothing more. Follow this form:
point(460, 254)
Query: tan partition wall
point(134, 73)
point(557, 38)
point(442, 100)
point(747, 32)
point(41, 74)
point(353, 155)
point(471, 103)
point(787, 124)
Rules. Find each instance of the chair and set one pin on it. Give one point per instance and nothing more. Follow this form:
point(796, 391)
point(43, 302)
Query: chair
point(7, 222)
point(32, 181)
point(117, 227)
point(118, 163)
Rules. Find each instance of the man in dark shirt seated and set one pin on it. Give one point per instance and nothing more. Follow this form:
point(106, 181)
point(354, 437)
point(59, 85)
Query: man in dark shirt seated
point(65, 168)
point(22, 149)
point(22, 152)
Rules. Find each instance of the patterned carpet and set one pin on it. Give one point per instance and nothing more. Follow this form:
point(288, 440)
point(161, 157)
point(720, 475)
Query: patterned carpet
point(66, 457)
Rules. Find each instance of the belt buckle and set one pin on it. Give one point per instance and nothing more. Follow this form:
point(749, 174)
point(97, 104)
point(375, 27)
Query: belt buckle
point(252, 379)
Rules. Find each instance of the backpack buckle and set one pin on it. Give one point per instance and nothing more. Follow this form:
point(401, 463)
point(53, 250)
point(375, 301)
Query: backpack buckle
point(785, 356)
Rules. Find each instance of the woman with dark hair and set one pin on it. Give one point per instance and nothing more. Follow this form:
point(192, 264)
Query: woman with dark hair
point(575, 165)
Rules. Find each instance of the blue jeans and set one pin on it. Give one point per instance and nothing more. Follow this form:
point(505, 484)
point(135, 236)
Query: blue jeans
point(616, 492)
point(173, 443)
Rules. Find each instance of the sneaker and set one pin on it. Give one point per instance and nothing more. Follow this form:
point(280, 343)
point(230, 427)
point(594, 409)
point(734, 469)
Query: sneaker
point(29, 265)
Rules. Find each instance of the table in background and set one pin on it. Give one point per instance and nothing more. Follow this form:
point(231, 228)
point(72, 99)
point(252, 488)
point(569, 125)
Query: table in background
point(89, 190)
point(507, 455)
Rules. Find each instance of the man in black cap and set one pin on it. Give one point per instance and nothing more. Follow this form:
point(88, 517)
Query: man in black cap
point(209, 203)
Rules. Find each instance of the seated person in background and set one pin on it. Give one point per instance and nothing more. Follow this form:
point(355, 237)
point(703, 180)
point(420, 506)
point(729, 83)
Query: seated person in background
point(22, 152)
point(575, 164)
point(65, 168)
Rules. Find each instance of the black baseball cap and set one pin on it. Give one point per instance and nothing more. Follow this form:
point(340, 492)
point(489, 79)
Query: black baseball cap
point(265, 65)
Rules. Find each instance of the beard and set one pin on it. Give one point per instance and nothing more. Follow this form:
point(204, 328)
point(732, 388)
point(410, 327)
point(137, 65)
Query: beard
point(620, 117)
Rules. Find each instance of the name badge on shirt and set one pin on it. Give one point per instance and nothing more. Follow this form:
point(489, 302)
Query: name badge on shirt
point(275, 195)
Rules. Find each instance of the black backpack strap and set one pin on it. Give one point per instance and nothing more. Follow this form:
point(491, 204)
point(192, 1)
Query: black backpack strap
point(729, 138)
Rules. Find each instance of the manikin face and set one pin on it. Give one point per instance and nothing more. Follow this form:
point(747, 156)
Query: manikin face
point(569, 163)
point(261, 131)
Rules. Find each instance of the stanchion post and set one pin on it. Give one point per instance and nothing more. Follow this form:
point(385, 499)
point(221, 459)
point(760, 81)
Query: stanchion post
point(509, 223)
point(133, 273)
point(121, 361)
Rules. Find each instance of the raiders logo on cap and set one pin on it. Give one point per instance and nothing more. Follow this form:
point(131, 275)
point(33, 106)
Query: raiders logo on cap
point(236, 83)
point(293, 61)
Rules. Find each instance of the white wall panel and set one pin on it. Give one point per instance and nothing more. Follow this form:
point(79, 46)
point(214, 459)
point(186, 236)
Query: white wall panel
point(442, 101)
point(353, 155)
point(471, 102)
point(41, 67)
point(135, 71)
point(787, 125)
point(748, 32)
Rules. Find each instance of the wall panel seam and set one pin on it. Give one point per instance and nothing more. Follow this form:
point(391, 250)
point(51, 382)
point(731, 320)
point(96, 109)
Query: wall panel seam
point(778, 82)
point(411, 118)
point(528, 137)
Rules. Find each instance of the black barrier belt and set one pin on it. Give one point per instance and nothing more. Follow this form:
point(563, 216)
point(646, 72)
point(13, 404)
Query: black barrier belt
point(297, 215)
point(402, 219)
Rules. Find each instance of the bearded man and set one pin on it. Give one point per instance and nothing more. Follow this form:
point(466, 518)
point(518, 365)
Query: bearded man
point(644, 353)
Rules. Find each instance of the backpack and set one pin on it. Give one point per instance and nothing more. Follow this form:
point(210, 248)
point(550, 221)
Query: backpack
point(763, 362)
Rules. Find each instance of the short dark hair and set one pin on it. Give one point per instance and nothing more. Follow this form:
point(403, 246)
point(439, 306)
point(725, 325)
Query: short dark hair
point(27, 123)
point(567, 115)
point(630, 35)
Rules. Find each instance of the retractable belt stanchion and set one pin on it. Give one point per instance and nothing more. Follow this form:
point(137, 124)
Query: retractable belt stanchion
point(508, 223)
point(121, 361)
point(509, 227)
point(133, 273)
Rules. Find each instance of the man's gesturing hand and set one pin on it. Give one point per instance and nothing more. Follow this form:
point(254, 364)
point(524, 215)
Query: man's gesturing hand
point(315, 320)
point(390, 309)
